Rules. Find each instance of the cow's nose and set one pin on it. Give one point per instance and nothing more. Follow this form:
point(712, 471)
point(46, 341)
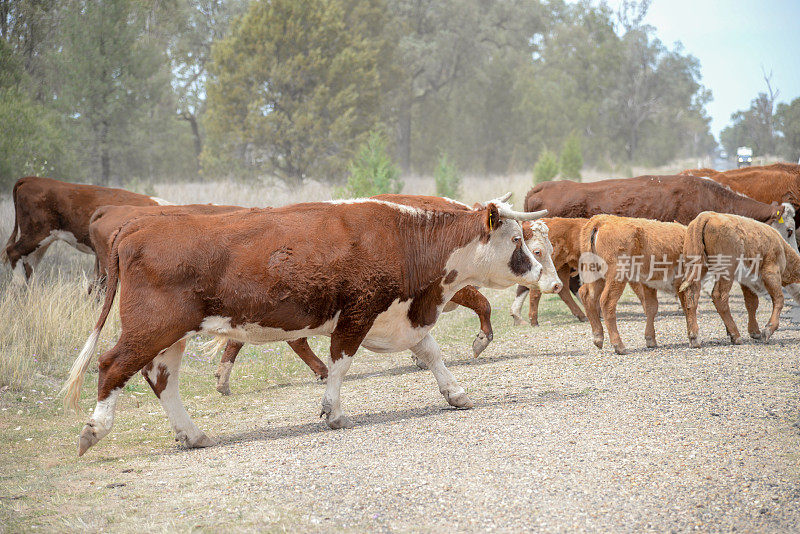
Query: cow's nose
point(557, 287)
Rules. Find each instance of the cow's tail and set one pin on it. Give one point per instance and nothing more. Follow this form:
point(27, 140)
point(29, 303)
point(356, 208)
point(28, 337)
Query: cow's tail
point(695, 247)
point(72, 387)
point(15, 231)
point(593, 238)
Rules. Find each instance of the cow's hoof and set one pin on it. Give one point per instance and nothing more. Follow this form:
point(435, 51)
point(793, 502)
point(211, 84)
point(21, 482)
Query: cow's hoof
point(225, 389)
point(459, 400)
point(766, 334)
point(756, 335)
point(736, 340)
point(694, 343)
point(87, 438)
point(199, 442)
point(519, 321)
point(620, 349)
point(340, 422)
point(650, 342)
point(419, 363)
point(582, 318)
point(481, 342)
point(598, 341)
point(534, 322)
point(320, 378)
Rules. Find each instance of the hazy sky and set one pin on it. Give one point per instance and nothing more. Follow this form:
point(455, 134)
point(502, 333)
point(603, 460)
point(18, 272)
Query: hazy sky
point(733, 40)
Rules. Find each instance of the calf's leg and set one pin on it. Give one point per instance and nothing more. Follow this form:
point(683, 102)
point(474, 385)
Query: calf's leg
point(751, 304)
point(566, 295)
point(519, 301)
point(719, 296)
point(608, 303)
point(650, 304)
point(590, 295)
point(689, 300)
point(772, 282)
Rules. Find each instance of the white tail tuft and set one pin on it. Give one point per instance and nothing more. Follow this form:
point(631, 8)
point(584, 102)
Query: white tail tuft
point(72, 387)
point(212, 346)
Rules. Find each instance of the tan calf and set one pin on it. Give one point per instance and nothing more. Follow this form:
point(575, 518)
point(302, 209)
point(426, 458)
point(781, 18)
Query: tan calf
point(657, 247)
point(729, 246)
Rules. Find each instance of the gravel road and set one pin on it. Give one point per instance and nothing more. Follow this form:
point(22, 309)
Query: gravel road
point(563, 437)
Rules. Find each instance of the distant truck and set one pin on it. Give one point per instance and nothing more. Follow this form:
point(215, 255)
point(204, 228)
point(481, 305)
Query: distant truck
point(744, 156)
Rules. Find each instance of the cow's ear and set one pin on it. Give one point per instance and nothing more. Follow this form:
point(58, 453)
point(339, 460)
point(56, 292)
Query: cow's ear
point(527, 231)
point(492, 217)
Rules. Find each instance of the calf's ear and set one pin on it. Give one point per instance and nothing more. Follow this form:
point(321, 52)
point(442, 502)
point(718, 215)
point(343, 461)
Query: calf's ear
point(492, 220)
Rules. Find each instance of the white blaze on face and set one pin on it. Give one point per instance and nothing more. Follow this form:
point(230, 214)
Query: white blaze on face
point(542, 249)
point(786, 225)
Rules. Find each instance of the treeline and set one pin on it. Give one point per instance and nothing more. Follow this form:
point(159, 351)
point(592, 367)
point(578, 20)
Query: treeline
point(768, 127)
point(114, 91)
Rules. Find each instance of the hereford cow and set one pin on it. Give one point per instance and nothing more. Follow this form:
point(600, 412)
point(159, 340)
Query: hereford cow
point(107, 220)
point(677, 198)
point(564, 234)
point(779, 182)
point(645, 253)
point(47, 210)
point(364, 272)
point(733, 248)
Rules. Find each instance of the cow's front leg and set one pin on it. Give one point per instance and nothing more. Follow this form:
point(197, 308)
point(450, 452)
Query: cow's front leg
point(427, 351)
point(341, 358)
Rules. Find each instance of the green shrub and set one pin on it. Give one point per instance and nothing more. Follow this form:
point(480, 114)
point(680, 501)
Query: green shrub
point(546, 167)
point(372, 171)
point(571, 158)
point(448, 180)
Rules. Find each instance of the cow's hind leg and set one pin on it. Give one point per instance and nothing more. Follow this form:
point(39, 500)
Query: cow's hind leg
point(226, 362)
point(772, 282)
point(302, 349)
point(751, 304)
point(650, 304)
point(163, 376)
point(428, 352)
point(719, 296)
point(25, 254)
point(608, 303)
point(590, 295)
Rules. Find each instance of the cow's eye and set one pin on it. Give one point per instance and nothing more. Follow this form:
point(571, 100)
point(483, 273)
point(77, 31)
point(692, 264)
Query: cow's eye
point(516, 239)
point(537, 253)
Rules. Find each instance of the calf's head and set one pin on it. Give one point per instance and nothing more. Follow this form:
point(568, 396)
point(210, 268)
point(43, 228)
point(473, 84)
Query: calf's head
point(502, 258)
point(783, 222)
point(538, 241)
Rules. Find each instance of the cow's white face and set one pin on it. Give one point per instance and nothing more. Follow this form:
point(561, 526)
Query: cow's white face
point(785, 225)
point(504, 259)
point(542, 249)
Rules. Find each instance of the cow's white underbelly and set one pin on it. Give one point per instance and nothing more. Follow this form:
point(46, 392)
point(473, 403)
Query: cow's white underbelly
point(392, 330)
point(256, 334)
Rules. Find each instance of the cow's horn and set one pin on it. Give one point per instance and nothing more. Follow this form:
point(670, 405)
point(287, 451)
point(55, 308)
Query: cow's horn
point(521, 215)
point(498, 200)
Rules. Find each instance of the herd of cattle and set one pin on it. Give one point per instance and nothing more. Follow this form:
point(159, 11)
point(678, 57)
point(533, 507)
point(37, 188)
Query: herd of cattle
point(378, 272)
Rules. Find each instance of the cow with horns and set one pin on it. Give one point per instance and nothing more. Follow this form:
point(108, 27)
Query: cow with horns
point(364, 272)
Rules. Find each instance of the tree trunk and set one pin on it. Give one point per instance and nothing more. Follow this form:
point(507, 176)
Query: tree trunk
point(105, 162)
point(404, 132)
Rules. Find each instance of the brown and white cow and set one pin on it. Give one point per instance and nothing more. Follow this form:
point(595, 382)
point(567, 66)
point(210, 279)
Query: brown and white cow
point(47, 210)
point(622, 244)
point(365, 272)
point(677, 198)
point(738, 249)
point(564, 234)
point(107, 220)
point(779, 182)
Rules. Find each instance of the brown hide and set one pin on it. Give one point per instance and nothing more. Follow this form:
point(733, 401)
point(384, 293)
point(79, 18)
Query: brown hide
point(677, 198)
point(726, 238)
point(612, 237)
point(44, 205)
point(779, 182)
